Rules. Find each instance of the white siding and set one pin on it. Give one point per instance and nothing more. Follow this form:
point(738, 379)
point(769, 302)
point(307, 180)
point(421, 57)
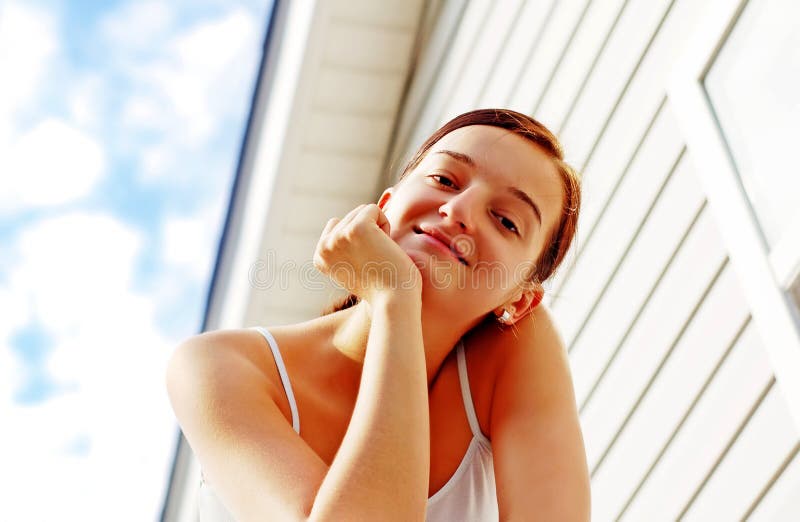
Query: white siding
point(681, 412)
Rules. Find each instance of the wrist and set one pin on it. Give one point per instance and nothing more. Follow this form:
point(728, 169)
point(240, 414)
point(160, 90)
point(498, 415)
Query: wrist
point(397, 301)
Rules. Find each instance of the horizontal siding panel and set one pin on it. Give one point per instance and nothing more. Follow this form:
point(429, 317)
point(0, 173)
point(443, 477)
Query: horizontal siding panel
point(433, 54)
point(575, 67)
point(635, 283)
point(782, 501)
point(545, 57)
point(367, 47)
point(276, 316)
point(351, 133)
point(337, 174)
point(459, 53)
point(633, 115)
point(360, 92)
point(301, 292)
point(759, 449)
point(297, 249)
point(398, 14)
point(667, 311)
point(525, 37)
point(604, 249)
point(611, 75)
point(621, 138)
point(487, 46)
point(324, 207)
point(636, 113)
point(668, 379)
point(722, 408)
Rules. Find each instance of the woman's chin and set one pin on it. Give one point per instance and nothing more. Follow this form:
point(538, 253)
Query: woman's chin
point(439, 273)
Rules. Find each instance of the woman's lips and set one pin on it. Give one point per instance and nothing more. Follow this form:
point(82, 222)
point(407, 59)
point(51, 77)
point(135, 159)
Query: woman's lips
point(439, 245)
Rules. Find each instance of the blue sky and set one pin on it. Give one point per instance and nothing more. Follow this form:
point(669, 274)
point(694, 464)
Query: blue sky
point(120, 127)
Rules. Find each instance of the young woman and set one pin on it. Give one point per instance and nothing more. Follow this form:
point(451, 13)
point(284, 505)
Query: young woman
point(443, 391)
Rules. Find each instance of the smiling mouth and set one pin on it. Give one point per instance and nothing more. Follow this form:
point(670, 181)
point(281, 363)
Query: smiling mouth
point(455, 254)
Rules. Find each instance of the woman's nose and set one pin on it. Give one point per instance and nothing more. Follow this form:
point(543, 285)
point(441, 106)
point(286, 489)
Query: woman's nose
point(460, 209)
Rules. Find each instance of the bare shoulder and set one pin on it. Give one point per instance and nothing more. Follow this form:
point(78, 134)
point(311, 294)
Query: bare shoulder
point(534, 424)
point(218, 363)
point(532, 350)
point(221, 388)
point(218, 356)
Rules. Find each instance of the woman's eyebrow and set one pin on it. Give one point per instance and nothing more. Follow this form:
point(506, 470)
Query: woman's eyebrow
point(458, 156)
point(517, 193)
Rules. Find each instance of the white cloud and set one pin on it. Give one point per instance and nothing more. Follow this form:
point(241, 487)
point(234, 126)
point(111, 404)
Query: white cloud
point(192, 88)
point(75, 273)
point(142, 112)
point(205, 66)
point(28, 45)
point(53, 163)
point(86, 100)
point(137, 25)
point(72, 264)
point(184, 238)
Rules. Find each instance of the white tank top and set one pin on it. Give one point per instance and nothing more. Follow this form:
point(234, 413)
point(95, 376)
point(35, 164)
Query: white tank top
point(468, 496)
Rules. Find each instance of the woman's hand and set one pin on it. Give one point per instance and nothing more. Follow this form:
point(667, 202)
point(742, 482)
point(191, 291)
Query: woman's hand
point(358, 254)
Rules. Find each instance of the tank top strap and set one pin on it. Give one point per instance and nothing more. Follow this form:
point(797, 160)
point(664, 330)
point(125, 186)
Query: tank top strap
point(287, 386)
point(466, 395)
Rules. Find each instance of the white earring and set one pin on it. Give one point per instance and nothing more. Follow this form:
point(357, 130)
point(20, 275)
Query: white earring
point(505, 318)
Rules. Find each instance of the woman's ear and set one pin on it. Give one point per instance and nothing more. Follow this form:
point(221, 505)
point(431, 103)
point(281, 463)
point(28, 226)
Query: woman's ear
point(387, 194)
point(523, 304)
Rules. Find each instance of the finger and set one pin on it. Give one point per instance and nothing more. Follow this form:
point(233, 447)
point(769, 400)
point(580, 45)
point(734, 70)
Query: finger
point(332, 222)
point(374, 214)
point(383, 222)
point(349, 218)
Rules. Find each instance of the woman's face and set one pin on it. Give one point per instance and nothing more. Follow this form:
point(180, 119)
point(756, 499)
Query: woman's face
point(474, 215)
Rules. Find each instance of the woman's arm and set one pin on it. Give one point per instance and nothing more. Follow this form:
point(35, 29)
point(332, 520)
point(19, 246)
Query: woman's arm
point(381, 470)
point(261, 468)
point(539, 456)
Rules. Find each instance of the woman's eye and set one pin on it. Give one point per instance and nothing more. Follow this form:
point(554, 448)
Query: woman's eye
point(443, 180)
point(507, 223)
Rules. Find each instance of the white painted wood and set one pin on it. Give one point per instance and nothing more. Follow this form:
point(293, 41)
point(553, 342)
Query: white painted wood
point(675, 387)
point(325, 207)
point(628, 123)
point(773, 316)
point(668, 310)
point(336, 174)
point(785, 255)
point(544, 58)
point(782, 501)
point(449, 75)
point(386, 14)
point(362, 46)
point(603, 250)
point(744, 374)
point(614, 68)
point(487, 46)
point(526, 35)
point(574, 67)
point(358, 91)
point(759, 449)
point(432, 56)
point(353, 133)
point(627, 292)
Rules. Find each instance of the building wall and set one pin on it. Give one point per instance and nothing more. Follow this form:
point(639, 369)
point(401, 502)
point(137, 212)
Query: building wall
point(674, 368)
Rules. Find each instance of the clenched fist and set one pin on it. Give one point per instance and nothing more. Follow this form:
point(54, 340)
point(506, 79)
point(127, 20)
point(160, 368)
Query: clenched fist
point(358, 254)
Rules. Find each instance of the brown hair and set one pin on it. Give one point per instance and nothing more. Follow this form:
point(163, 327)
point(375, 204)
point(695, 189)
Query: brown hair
point(533, 131)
